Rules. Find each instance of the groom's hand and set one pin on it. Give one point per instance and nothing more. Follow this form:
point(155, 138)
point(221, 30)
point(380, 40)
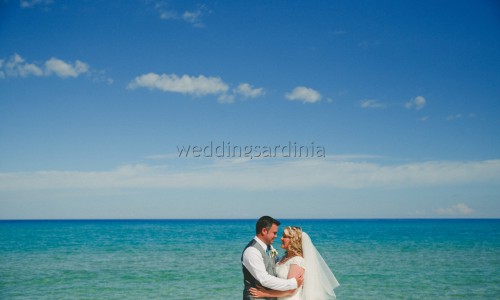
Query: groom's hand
point(300, 279)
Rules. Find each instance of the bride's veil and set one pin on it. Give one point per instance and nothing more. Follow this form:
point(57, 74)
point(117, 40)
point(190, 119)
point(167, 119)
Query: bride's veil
point(319, 281)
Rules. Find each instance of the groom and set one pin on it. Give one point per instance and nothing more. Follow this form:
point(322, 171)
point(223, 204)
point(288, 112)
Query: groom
point(259, 264)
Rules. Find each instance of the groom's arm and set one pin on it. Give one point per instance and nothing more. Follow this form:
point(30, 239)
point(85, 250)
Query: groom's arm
point(254, 262)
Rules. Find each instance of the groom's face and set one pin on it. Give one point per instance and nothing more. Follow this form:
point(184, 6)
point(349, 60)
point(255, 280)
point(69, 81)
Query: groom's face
point(271, 234)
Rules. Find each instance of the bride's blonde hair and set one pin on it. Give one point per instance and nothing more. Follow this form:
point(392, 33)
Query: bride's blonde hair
point(295, 235)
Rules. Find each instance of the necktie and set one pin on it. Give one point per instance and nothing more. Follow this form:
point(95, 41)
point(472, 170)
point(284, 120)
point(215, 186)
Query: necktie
point(268, 250)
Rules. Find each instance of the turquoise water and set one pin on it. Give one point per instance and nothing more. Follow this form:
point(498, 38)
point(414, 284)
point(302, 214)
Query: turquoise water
point(200, 259)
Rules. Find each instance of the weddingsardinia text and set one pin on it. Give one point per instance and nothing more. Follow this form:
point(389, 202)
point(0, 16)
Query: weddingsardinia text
point(226, 150)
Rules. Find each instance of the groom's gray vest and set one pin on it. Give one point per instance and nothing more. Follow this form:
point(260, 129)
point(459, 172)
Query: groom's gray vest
point(248, 279)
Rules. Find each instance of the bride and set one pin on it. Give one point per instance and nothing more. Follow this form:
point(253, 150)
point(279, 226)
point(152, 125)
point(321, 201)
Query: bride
point(301, 258)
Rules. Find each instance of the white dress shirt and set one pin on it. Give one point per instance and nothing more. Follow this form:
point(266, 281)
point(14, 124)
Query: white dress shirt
point(254, 262)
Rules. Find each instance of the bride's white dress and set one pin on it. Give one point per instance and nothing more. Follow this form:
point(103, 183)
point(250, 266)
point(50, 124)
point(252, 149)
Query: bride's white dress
point(319, 280)
point(282, 272)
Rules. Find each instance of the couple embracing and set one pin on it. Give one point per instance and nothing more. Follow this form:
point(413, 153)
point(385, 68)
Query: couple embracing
point(301, 274)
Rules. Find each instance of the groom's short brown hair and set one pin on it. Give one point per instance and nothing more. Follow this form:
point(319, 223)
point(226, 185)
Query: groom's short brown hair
point(265, 222)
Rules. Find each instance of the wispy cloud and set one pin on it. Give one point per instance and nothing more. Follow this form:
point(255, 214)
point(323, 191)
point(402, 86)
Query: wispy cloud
point(248, 91)
point(338, 32)
point(454, 117)
point(193, 17)
point(303, 94)
point(369, 103)
point(460, 116)
point(16, 66)
point(162, 156)
point(280, 175)
point(416, 103)
point(458, 209)
point(195, 86)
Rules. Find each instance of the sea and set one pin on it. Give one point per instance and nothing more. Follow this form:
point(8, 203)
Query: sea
point(200, 259)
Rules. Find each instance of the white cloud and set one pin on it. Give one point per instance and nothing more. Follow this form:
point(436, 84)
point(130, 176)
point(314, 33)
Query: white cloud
point(195, 86)
point(64, 69)
point(33, 3)
point(281, 174)
point(247, 91)
point(304, 94)
point(191, 85)
point(16, 66)
point(372, 104)
point(458, 209)
point(416, 103)
point(29, 69)
point(193, 17)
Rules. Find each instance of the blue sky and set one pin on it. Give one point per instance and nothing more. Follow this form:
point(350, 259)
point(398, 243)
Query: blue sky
point(97, 98)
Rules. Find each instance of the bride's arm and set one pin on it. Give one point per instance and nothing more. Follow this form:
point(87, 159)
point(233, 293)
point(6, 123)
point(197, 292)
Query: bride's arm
point(295, 271)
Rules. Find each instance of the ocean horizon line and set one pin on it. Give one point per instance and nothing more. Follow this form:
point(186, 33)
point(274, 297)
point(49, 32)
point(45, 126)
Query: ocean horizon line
point(237, 219)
